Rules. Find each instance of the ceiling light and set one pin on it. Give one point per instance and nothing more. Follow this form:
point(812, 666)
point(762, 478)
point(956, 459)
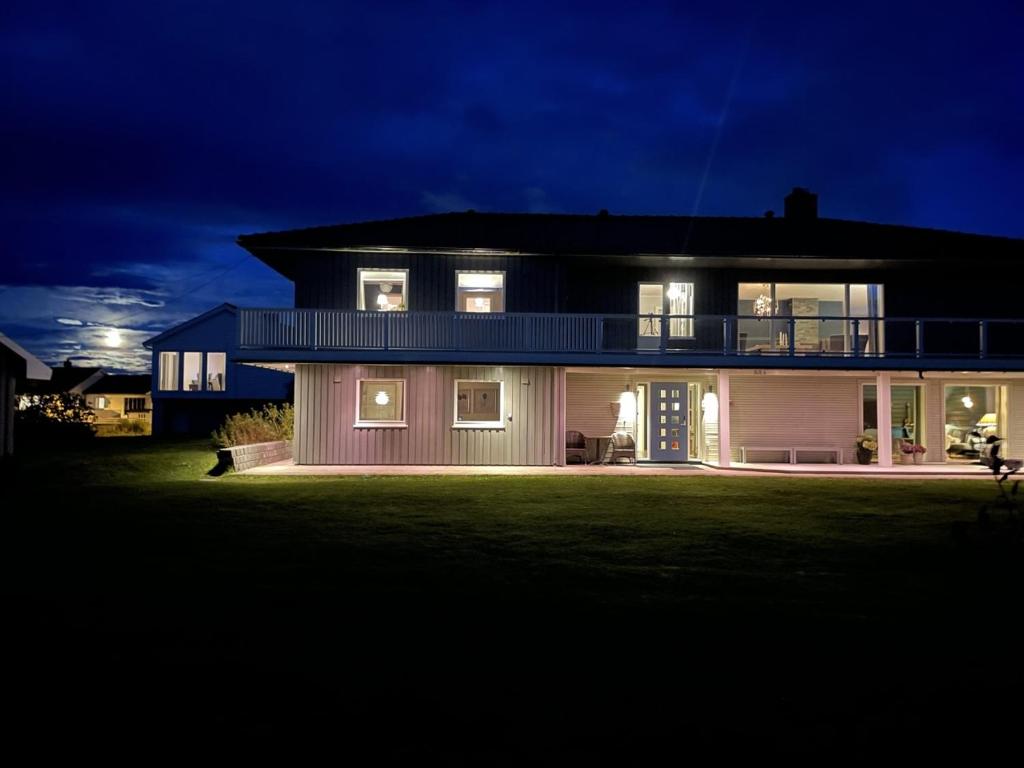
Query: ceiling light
point(382, 398)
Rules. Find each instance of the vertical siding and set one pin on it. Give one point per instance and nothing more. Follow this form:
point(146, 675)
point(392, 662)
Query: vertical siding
point(325, 402)
point(794, 410)
point(1015, 429)
point(934, 430)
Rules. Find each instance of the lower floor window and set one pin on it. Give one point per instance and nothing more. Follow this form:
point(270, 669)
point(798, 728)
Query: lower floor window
point(479, 404)
point(381, 403)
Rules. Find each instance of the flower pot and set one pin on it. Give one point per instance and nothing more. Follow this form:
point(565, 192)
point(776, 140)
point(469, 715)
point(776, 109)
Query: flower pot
point(919, 458)
point(863, 455)
point(908, 458)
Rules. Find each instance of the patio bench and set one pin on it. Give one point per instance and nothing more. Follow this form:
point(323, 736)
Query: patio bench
point(792, 451)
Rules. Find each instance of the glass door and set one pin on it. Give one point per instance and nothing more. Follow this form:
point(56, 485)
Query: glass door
point(668, 410)
point(651, 305)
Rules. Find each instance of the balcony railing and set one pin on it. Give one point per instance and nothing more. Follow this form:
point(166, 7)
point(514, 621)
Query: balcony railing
point(743, 335)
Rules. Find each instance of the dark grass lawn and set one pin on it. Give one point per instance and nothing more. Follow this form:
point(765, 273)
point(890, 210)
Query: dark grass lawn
point(504, 619)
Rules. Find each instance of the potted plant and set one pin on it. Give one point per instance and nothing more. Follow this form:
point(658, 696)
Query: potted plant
point(919, 452)
point(907, 451)
point(866, 445)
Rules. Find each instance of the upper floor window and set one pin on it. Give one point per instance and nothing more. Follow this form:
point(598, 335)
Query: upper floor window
point(168, 371)
point(673, 299)
point(380, 403)
point(216, 371)
point(479, 291)
point(383, 290)
point(830, 310)
point(192, 371)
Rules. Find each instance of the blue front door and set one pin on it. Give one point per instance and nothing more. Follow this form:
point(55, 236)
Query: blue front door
point(667, 424)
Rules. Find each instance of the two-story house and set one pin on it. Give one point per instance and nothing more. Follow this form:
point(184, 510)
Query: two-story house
point(472, 338)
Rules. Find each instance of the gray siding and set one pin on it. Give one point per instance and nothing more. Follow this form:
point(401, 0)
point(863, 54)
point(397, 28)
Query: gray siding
point(794, 410)
point(325, 410)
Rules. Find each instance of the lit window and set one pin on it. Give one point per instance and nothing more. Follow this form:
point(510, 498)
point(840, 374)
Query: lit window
point(381, 403)
point(680, 302)
point(101, 402)
point(383, 290)
point(216, 371)
point(192, 371)
point(480, 291)
point(168, 371)
point(479, 404)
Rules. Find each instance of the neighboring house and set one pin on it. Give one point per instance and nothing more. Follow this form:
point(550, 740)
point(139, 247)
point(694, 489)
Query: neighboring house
point(473, 338)
point(66, 378)
point(120, 396)
point(197, 379)
point(16, 367)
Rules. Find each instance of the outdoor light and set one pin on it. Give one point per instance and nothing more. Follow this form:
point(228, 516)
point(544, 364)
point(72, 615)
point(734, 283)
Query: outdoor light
point(967, 401)
point(627, 407)
point(382, 398)
point(113, 338)
point(709, 404)
point(382, 300)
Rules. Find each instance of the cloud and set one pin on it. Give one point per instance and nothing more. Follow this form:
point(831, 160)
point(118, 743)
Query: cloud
point(69, 321)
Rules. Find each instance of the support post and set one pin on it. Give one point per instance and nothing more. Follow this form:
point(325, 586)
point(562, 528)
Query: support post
point(883, 402)
point(560, 400)
point(724, 443)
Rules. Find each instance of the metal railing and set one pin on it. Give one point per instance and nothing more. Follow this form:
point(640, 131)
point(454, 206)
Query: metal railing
point(827, 336)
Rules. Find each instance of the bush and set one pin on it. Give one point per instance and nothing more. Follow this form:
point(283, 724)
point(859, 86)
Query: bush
point(124, 427)
point(60, 416)
point(270, 423)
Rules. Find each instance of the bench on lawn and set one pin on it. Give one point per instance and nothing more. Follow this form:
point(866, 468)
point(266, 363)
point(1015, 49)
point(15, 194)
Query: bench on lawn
point(792, 451)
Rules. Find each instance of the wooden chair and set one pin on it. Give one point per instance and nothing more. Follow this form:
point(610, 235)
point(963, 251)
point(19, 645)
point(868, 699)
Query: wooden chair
point(575, 445)
point(622, 447)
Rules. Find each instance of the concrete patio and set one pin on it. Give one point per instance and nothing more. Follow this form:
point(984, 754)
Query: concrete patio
point(916, 472)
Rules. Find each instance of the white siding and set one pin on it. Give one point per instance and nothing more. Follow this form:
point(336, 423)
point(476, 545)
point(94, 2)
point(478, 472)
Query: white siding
point(794, 410)
point(589, 400)
point(1015, 431)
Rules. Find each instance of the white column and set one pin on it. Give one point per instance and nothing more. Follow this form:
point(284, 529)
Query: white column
point(724, 444)
point(560, 400)
point(883, 403)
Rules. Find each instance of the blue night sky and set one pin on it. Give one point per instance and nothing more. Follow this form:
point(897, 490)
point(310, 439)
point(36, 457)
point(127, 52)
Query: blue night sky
point(139, 138)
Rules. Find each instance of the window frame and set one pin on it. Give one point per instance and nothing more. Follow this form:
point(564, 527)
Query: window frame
point(361, 424)
point(177, 371)
point(361, 296)
point(202, 371)
point(206, 371)
point(504, 289)
point(687, 322)
point(498, 424)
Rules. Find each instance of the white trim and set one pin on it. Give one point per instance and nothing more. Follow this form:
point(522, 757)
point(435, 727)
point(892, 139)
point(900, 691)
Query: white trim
point(361, 298)
point(359, 424)
point(499, 424)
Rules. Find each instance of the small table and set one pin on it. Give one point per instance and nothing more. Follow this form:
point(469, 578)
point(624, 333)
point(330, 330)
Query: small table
point(597, 449)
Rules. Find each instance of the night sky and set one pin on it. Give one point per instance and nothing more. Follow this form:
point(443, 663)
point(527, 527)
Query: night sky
point(140, 138)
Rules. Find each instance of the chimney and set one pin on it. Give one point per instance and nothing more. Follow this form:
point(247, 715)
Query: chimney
point(801, 204)
point(67, 363)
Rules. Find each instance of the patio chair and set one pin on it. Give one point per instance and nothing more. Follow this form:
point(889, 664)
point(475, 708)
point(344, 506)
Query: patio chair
point(622, 447)
point(575, 445)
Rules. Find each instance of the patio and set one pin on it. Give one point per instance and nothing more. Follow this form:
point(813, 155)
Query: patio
point(917, 472)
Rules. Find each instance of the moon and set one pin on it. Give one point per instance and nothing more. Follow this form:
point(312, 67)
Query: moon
point(113, 338)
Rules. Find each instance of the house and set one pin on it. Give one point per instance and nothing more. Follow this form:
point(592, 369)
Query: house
point(113, 397)
point(472, 338)
point(65, 378)
point(16, 367)
point(198, 380)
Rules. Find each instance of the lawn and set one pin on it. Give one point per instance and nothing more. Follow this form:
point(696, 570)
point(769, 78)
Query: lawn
point(498, 617)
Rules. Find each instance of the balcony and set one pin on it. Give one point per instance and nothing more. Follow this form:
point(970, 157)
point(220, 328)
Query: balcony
point(747, 341)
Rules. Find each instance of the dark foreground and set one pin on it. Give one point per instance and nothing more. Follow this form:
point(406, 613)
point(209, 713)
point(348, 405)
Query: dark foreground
point(501, 620)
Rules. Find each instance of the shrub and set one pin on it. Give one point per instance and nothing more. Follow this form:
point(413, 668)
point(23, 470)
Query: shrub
point(124, 427)
point(269, 423)
point(59, 416)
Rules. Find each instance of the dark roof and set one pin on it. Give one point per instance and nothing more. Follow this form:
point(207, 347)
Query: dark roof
point(64, 379)
point(225, 307)
point(121, 384)
point(628, 235)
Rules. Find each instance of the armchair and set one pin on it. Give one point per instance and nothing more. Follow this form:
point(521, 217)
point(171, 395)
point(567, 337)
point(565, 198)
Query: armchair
point(575, 445)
